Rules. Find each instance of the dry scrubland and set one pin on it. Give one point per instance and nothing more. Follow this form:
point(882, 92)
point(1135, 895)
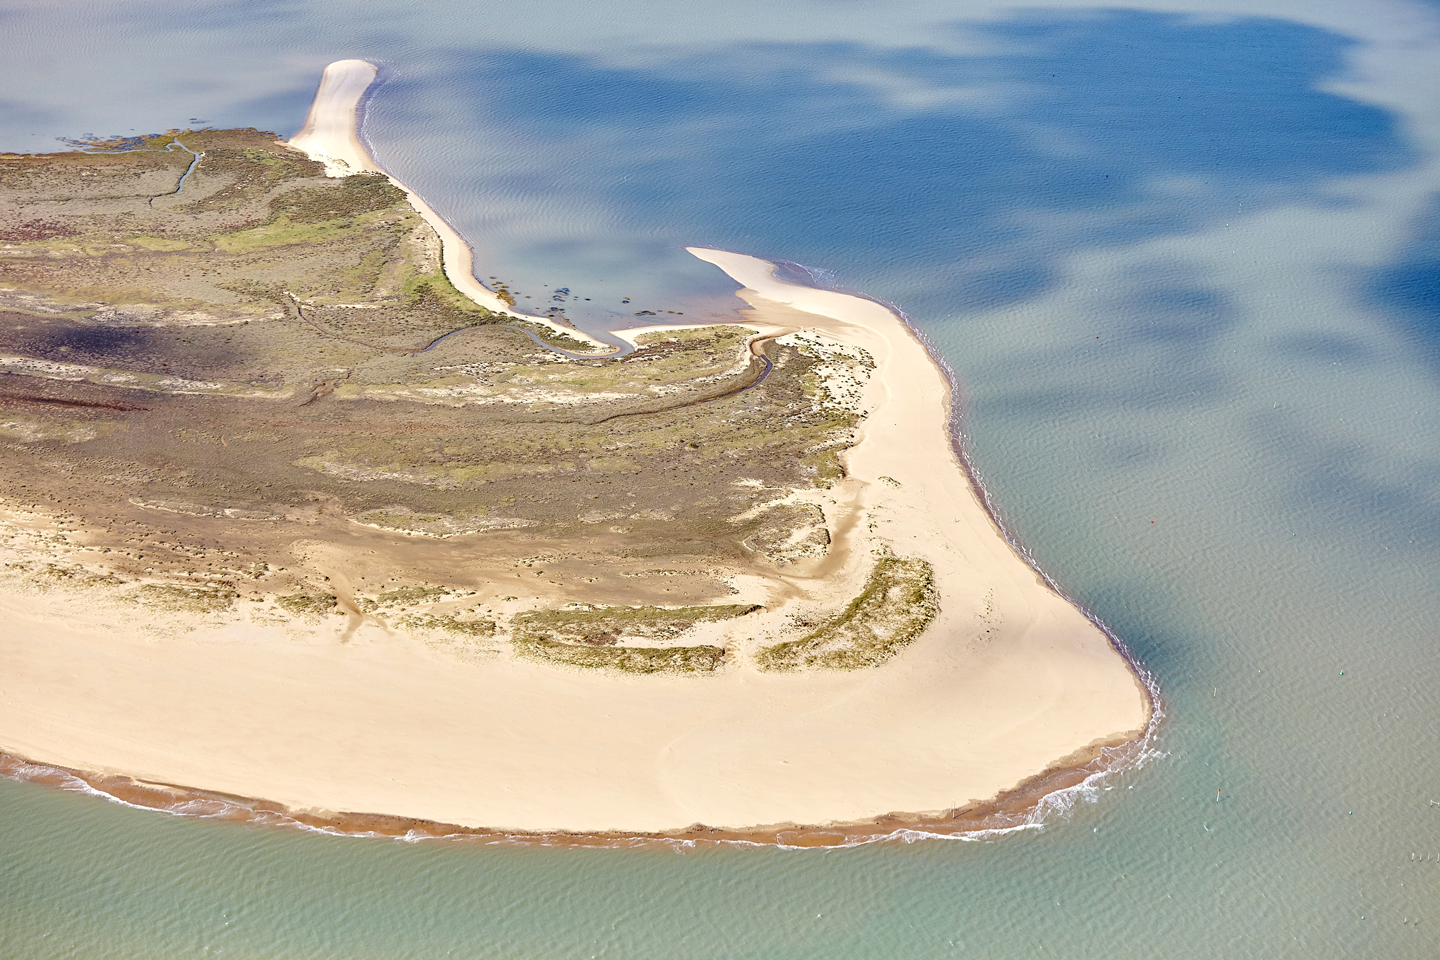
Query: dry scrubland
point(206, 395)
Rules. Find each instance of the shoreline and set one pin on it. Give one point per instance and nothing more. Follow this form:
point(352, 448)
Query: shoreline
point(762, 277)
point(977, 485)
point(1007, 812)
point(1019, 671)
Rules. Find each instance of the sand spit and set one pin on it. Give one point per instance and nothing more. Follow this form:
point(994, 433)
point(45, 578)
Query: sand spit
point(331, 135)
point(1009, 684)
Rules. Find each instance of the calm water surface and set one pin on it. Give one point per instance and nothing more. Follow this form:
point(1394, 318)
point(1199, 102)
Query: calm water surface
point(1186, 268)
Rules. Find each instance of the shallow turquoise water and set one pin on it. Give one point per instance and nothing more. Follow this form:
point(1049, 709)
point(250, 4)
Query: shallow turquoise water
point(1187, 273)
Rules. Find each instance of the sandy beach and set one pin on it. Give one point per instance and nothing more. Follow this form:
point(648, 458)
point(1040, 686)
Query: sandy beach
point(1009, 681)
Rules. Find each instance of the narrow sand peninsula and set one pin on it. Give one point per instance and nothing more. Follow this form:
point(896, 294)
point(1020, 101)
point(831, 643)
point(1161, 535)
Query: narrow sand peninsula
point(1009, 680)
point(331, 134)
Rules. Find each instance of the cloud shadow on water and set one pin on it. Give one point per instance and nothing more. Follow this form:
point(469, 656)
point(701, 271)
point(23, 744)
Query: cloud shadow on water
point(1086, 131)
point(1407, 292)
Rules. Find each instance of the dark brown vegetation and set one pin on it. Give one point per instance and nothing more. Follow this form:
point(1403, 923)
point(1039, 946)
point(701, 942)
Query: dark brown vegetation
point(208, 379)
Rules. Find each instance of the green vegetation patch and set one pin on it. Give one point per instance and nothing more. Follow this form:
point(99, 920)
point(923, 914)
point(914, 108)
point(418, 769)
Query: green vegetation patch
point(470, 629)
point(306, 604)
point(435, 294)
point(186, 599)
point(249, 166)
point(590, 638)
point(643, 660)
point(548, 334)
point(349, 197)
point(50, 574)
point(722, 333)
point(607, 626)
point(432, 523)
point(899, 601)
point(789, 532)
point(410, 595)
point(281, 232)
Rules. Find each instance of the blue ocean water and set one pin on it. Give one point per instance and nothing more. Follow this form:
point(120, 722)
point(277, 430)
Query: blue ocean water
point(1184, 261)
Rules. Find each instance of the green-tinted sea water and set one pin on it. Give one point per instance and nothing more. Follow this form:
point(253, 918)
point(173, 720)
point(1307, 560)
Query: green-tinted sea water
point(1185, 266)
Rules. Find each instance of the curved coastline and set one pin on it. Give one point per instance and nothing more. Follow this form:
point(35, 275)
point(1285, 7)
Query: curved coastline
point(982, 492)
point(763, 279)
point(1029, 805)
point(331, 135)
point(905, 442)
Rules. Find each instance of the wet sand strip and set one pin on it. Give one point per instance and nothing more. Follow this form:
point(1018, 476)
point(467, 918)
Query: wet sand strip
point(1019, 808)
